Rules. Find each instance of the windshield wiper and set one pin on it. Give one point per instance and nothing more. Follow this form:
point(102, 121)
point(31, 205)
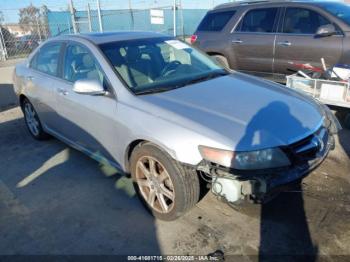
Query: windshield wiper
point(175, 86)
point(206, 77)
point(157, 90)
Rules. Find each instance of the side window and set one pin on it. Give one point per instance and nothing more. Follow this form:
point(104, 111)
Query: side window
point(259, 20)
point(79, 64)
point(215, 21)
point(302, 21)
point(46, 60)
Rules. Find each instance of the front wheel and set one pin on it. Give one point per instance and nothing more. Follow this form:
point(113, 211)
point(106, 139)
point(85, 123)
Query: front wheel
point(166, 188)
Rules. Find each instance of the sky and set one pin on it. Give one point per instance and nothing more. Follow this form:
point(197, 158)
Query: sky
point(10, 8)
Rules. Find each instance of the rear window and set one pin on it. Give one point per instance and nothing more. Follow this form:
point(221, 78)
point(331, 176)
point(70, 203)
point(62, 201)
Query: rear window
point(216, 21)
point(259, 20)
point(46, 59)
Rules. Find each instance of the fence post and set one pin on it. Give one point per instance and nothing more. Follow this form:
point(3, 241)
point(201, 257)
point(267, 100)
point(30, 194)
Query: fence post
point(38, 28)
point(99, 15)
point(3, 46)
point(89, 17)
point(174, 17)
point(132, 16)
point(72, 13)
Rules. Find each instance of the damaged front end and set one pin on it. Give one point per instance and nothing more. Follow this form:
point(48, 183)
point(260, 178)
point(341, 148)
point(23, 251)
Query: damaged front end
point(262, 184)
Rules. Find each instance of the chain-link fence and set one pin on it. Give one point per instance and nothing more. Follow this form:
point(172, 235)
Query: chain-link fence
point(23, 29)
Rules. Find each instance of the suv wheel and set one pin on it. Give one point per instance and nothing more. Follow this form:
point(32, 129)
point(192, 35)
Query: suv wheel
point(32, 121)
point(166, 188)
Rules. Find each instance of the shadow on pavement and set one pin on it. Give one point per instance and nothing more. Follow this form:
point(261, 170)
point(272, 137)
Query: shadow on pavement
point(8, 98)
point(284, 230)
point(344, 139)
point(55, 200)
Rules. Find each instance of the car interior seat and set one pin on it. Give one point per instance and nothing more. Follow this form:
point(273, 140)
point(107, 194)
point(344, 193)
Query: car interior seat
point(140, 69)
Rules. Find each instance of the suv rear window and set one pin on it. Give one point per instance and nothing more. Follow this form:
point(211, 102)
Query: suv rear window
point(216, 21)
point(259, 20)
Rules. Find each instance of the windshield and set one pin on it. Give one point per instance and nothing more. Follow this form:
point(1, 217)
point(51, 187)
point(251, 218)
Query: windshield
point(340, 10)
point(159, 64)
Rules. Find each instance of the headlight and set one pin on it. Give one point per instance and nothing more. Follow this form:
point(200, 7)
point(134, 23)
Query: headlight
point(252, 160)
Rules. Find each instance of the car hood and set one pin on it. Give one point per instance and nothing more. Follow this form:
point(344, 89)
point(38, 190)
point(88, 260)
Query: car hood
point(246, 112)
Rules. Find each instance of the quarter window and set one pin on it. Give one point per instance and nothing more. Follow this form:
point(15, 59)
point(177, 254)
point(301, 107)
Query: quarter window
point(259, 20)
point(215, 21)
point(80, 64)
point(302, 21)
point(46, 60)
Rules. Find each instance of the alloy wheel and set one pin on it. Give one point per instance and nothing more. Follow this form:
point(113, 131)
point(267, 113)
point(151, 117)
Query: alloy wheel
point(31, 119)
point(155, 184)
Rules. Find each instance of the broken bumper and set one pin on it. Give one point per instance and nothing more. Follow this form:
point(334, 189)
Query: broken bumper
point(261, 186)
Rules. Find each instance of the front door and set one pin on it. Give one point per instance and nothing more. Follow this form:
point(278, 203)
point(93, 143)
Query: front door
point(253, 40)
point(297, 42)
point(86, 121)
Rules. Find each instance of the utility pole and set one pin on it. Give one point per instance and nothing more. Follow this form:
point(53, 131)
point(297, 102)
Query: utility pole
point(99, 15)
point(89, 17)
point(182, 20)
point(132, 16)
point(174, 17)
point(72, 13)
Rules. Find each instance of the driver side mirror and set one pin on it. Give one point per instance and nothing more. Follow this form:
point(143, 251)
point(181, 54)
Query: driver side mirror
point(88, 87)
point(326, 30)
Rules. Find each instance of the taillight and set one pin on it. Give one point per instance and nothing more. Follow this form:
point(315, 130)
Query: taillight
point(193, 39)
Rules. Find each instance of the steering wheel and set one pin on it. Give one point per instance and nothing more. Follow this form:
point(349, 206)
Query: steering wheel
point(170, 68)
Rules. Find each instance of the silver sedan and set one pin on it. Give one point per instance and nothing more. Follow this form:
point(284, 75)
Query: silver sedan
point(163, 112)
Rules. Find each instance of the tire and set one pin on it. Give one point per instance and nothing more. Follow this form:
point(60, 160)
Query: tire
point(222, 60)
point(32, 121)
point(181, 184)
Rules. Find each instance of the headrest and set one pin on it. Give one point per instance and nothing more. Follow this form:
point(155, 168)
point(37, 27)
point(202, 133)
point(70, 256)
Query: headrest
point(133, 53)
point(88, 61)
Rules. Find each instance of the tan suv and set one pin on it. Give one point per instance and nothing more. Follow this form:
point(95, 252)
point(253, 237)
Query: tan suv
point(266, 37)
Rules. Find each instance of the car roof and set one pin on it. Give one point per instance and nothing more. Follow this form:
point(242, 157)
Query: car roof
point(107, 37)
point(265, 2)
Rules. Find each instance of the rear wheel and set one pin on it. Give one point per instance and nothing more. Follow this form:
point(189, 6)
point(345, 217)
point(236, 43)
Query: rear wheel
point(222, 60)
point(166, 188)
point(32, 121)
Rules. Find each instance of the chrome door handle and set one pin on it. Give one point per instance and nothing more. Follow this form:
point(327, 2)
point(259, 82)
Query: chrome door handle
point(285, 43)
point(237, 41)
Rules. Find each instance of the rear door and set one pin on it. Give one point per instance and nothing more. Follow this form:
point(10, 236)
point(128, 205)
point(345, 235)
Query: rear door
point(42, 79)
point(252, 42)
point(297, 42)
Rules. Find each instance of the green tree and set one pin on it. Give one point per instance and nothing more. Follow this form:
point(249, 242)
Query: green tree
point(34, 19)
point(29, 18)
